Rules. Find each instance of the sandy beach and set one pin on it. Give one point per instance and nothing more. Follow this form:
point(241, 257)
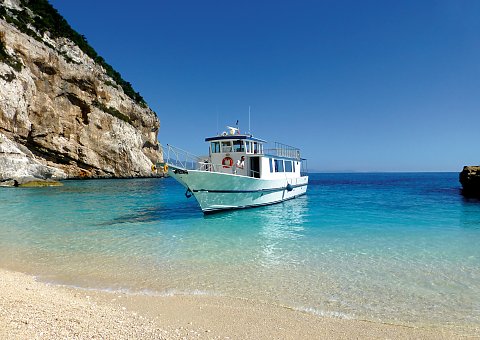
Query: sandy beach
point(34, 310)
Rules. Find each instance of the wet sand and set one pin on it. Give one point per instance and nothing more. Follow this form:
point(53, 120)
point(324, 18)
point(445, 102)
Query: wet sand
point(36, 310)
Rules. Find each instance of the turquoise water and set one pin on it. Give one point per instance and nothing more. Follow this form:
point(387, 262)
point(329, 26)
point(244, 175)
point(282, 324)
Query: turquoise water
point(401, 248)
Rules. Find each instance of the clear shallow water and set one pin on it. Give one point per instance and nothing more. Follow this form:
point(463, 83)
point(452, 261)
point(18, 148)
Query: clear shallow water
point(401, 248)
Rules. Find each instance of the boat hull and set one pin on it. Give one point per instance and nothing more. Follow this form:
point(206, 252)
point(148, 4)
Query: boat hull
point(219, 191)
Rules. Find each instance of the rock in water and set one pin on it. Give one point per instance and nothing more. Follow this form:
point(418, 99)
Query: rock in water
point(64, 112)
point(470, 179)
point(40, 183)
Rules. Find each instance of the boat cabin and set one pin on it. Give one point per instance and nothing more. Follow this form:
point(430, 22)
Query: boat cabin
point(245, 155)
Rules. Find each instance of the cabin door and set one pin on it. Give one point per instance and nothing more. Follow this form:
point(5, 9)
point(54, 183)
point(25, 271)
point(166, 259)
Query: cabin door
point(255, 167)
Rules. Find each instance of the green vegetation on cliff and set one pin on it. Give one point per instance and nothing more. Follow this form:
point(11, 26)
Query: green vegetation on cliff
point(45, 18)
point(9, 60)
point(113, 111)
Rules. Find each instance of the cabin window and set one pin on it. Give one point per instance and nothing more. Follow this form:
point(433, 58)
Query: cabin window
point(260, 148)
point(238, 146)
point(227, 146)
point(215, 147)
point(255, 147)
point(279, 165)
point(288, 166)
point(271, 164)
point(293, 163)
point(249, 147)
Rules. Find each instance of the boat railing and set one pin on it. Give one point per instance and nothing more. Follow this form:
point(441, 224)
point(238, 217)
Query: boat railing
point(181, 158)
point(205, 165)
point(304, 167)
point(212, 167)
point(283, 150)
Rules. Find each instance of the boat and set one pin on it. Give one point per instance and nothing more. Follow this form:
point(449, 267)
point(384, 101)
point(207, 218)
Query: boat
point(239, 172)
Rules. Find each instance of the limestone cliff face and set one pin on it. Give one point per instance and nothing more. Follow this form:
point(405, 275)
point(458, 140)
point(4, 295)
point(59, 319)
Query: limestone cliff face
point(62, 116)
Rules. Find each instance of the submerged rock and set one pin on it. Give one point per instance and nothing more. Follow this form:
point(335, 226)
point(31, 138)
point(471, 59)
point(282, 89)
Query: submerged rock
point(40, 183)
point(29, 182)
point(470, 179)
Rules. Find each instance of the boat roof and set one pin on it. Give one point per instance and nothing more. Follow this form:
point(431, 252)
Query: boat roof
point(230, 136)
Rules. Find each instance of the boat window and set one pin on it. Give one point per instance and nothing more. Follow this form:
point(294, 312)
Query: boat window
point(227, 146)
point(249, 147)
point(238, 146)
point(270, 160)
point(279, 165)
point(260, 148)
point(215, 147)
point(255, 147)
point(293, 163)
point(288, 166)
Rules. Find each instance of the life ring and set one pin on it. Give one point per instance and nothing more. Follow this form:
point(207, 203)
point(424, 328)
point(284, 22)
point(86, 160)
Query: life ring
point(154, 168)
point(165, 168)
point(227, 162)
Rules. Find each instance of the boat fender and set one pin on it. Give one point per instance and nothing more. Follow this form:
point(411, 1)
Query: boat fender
point(188, 193)
point(227, 162)
point(289, 187)
point(154, 168)
point(165, 168)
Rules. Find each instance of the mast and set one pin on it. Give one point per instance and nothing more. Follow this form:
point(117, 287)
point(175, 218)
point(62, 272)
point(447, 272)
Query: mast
point(249, 120)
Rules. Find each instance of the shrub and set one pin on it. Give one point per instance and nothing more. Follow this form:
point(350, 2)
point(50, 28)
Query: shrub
point(109, 83)
point(113, 111)
point(8, 59)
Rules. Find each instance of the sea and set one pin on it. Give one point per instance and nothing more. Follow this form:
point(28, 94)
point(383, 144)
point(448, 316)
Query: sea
point(400, 248)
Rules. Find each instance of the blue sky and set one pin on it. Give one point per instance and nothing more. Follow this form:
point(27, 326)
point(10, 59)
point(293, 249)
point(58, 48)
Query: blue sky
point(357, 85)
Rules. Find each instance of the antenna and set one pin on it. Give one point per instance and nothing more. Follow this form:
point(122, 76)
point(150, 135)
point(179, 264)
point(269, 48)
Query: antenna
point(249, 119)
point(217, 121)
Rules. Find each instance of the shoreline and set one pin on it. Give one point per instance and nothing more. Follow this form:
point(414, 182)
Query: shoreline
point(33, 309)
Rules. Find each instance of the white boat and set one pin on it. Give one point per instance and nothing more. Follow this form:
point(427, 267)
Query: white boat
point(238, 172)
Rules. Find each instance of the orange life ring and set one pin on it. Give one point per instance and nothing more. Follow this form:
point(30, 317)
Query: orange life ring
point(227, 162)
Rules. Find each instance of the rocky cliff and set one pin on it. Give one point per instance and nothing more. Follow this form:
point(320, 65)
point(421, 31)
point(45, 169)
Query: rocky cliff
point(470, 179)
point(64, 112)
